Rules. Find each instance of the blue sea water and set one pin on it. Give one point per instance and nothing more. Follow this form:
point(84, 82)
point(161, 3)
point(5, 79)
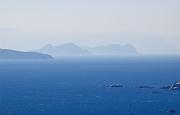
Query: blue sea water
point(76, 86)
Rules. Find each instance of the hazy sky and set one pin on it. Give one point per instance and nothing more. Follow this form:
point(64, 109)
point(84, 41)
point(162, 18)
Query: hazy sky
point(153, 17)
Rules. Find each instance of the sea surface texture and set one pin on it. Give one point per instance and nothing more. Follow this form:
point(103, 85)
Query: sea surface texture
point(79, 86)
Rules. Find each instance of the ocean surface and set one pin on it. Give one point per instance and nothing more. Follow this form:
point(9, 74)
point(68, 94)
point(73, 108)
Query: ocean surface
point(77, 86)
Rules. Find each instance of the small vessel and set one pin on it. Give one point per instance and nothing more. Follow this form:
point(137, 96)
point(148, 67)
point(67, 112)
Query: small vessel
point(114, 85)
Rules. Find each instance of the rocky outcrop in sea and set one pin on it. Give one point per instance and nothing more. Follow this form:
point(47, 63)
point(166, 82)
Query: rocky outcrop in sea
point(175, 86)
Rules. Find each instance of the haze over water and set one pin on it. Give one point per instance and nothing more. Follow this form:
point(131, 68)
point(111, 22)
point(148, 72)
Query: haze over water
point(89, 57)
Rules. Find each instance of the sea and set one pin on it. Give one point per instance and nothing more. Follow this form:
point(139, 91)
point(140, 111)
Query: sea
point(79, 86)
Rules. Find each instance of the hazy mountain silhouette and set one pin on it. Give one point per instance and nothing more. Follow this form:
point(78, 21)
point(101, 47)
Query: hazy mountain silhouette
point(70, 49)
point(12, 54)
point(113, 49)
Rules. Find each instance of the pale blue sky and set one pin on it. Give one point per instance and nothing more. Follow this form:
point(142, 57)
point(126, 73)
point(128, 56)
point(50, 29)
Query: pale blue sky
point(153, 17)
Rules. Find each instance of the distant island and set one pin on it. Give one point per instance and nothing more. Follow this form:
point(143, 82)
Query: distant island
point(70, 49)
point(114, 50)
point(12, 54)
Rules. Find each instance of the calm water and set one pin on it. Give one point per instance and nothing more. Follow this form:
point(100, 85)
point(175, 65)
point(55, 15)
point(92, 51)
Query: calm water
point(75, 87)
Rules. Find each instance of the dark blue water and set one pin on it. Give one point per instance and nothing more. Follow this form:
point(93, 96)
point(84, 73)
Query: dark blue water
point(76, 86)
